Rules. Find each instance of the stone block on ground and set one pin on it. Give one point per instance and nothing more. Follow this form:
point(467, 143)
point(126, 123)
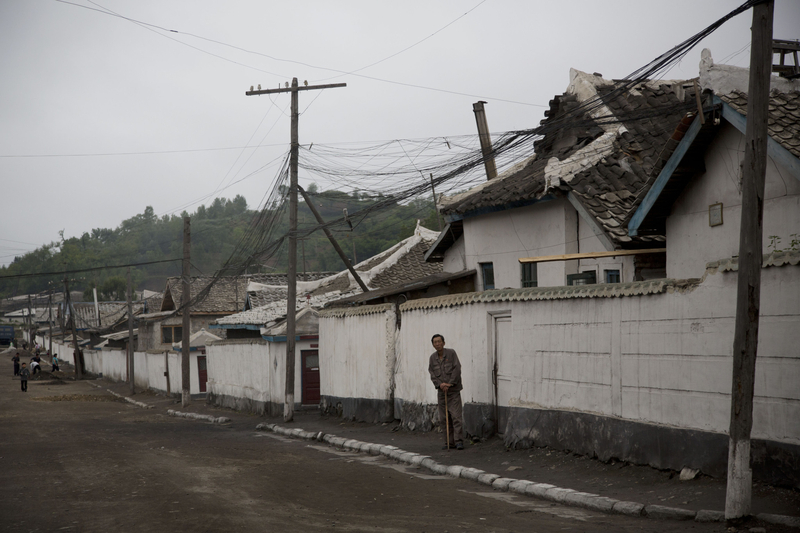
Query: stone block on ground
point(709, 516)
point(662, 512)
point(628, 508)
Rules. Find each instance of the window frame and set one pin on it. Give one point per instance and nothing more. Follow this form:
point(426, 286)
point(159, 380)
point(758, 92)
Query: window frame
point(172, 328)
point(532, 280)
point(485, 268)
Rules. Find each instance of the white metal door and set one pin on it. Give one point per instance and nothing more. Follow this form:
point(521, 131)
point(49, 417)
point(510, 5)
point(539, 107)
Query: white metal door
point(503, 371)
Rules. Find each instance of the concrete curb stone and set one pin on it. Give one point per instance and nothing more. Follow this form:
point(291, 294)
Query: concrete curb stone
point(501, 483)
point(518, 486)
point(628, 508)
point(792, 521)
point(454, 470)
point(662, 512)
point(472, 474)
point(709, 516)
point(417, 459)
point(487, 479)
point(437, 468)
point(557, 494)
point(538, 490)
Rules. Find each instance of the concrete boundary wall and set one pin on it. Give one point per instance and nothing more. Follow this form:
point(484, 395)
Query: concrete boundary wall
point(149, 368)
point(609, 373)
point(358, 359)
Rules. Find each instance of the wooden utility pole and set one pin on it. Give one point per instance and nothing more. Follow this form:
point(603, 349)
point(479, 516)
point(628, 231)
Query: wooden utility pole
point(335, 244)
point(435, 207)
point(131, 347)
point(486, 140)
point(50, 324)
point(187, 323)
point(76, 353)
point(291, 300)
point(745, 341)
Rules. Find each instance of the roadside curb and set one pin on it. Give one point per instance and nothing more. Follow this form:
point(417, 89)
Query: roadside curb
point(129, 400)
point(196, 416)
point(524, 487)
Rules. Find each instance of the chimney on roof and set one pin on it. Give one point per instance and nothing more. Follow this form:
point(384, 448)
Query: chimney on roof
point(486, 140)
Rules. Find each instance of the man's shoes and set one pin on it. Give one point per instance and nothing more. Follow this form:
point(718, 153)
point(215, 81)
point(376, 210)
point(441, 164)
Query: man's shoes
point(459, 445)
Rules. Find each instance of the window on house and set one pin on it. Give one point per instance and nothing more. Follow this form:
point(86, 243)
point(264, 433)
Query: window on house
point(487, 273)
point(612, 276)
point(170, 334)
point(584, 278)
point(530, 275)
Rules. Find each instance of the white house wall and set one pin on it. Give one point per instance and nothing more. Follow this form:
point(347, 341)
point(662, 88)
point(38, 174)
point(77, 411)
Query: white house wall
point(691, 242)
point(352, 385)
point(546, 228)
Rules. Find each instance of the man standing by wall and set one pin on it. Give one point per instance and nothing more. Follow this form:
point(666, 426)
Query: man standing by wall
point(445, 370)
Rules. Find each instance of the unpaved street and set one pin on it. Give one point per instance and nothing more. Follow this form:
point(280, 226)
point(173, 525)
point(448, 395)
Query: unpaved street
point(74, 458)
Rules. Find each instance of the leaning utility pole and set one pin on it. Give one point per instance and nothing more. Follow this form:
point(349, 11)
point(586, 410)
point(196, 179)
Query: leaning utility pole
point(745, 341)
point(187, 323)
point(335, 244)
point(131, 347)
point(291, 299)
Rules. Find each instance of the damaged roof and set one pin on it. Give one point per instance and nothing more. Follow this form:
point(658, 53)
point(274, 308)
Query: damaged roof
point(598, 143)
point(402, 263)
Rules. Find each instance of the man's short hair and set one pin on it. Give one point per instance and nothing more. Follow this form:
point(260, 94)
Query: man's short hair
point(437, 335)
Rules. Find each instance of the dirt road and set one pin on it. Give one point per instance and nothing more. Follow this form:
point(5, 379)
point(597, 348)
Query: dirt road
point(75, 458)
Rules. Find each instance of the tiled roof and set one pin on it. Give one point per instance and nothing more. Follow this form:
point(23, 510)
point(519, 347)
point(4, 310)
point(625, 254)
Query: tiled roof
point(784, 116)
point(110, 313)
point(401, 263)
point(603, 155)
point(227, 294)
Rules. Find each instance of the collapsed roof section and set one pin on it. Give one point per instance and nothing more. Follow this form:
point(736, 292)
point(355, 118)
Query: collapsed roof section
point(598, 148)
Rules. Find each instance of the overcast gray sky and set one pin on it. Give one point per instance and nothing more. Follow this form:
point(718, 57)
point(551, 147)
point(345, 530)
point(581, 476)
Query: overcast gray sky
point(101, 116)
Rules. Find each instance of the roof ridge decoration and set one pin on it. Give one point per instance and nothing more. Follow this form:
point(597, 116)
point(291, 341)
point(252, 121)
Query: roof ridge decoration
point(725, 79)
point(342, 312)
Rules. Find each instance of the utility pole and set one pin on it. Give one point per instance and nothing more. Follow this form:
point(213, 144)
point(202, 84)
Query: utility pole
point(187, 323)
point(745, 341)
point(30, 323)
point(335, 244)
point(131, 347)
point(291, 300)
point(50, 323)
point(76, 353)
point(486, 140)
point(435, 207)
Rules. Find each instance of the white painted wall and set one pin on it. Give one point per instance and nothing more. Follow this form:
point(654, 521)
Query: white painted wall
point(662, 358)
point(148, 367)
point(368, 332)
point(547, 228)
point(254, 369)
point(691, 242)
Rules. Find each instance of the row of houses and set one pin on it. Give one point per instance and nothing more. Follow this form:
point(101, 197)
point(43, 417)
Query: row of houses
point(589, 291)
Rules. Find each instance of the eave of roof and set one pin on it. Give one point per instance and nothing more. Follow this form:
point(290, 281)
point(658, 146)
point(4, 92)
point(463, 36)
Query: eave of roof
point(418, 284)
point(655, 195)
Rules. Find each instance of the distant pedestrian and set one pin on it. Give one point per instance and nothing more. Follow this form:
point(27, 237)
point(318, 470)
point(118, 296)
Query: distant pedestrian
point(16, 364)
point(36, 364)
point(24, 374)
point(55, 363)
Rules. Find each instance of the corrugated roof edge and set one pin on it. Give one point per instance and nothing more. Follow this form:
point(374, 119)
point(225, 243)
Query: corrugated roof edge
point(355, 311)
point(773, 259)
point(602, 290)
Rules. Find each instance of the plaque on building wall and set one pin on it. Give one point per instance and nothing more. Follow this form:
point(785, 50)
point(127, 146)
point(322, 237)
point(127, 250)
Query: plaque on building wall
point(715, 215)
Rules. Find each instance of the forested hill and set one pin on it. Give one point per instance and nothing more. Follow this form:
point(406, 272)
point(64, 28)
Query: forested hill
point(215, 231)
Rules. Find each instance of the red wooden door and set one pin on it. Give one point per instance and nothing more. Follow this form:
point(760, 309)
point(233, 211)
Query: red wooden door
point(202, 372)
point(310, 376)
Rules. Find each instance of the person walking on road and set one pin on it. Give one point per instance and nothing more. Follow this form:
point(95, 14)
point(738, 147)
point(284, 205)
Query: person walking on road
point(24, 374)
point(55, 363)
point(445, 370)
point(15, 359)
